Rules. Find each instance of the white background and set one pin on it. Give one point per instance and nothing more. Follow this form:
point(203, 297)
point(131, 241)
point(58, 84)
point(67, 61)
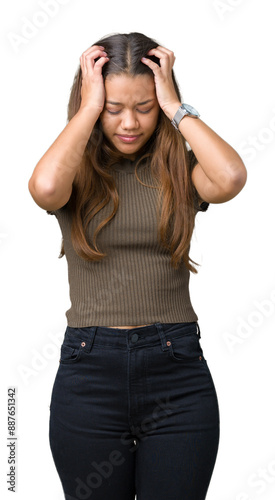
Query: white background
point(225, 68)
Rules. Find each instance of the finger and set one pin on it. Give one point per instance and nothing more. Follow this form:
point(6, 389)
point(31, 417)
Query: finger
point(90, 59)
point(167, 56)
point(94, 54)
point(164, 49)
point(83, 66)
point(93, 47)
point(87, 61)
point(164, 64)
point(98, 65)
point(163, 57)
point(154, 66)
point(89, 51)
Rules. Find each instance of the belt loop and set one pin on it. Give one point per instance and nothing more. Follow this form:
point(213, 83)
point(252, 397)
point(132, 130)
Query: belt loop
point(198, 330)
point(162, 337)
point(90, 339)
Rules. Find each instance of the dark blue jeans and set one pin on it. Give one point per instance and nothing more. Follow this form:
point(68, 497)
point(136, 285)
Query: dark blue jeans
point(134, 412)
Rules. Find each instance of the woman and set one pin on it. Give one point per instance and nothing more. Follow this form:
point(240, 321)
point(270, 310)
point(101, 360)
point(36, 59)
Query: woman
point(134, 409)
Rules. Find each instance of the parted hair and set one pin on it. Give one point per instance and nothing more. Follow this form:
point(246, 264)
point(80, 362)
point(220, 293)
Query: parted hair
point(170, 161)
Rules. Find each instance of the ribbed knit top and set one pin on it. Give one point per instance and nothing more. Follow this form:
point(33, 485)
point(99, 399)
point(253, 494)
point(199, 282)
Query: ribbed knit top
point(135, 283)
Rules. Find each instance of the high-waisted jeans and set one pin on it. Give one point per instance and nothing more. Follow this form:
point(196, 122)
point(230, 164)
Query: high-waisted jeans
point(134, 414)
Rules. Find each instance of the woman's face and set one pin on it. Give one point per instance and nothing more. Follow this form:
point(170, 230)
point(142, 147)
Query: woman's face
point(130, 113)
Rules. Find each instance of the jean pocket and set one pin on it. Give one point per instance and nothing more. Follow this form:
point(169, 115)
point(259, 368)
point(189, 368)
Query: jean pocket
point(69, 354)
point(186, 348)
point(72, 347)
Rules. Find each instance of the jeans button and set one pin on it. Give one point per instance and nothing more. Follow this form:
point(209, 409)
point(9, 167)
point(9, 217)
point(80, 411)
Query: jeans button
point(134, 337)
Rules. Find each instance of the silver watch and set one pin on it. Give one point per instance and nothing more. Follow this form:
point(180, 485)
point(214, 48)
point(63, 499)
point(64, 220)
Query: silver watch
point(184, 110)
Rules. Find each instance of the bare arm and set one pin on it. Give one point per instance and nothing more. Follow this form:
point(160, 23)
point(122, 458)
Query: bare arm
point(51, 182)
point(220, 173)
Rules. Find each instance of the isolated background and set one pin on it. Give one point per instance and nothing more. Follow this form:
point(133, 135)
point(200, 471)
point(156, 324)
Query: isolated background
point(225, 68)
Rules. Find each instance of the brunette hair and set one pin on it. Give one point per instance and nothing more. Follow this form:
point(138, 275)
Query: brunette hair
point(94, 185)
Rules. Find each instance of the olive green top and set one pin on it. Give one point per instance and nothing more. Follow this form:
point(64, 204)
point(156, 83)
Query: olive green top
point(135, 284)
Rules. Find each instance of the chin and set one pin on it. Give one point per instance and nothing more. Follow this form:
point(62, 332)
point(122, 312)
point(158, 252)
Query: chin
point(128, 148)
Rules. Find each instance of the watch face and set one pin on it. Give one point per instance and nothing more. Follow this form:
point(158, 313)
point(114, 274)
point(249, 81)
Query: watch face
point(190, 109)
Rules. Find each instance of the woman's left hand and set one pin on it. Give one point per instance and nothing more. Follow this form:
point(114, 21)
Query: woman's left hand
point(165, 89)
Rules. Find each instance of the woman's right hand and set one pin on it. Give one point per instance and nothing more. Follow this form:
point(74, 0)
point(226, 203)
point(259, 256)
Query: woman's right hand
point(93, 89)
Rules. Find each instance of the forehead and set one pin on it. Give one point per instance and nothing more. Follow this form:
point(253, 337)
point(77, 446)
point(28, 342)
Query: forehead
point(125, 88)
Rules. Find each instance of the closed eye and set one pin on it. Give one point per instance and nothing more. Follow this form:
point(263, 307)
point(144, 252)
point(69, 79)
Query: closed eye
point(117, 112)
point(144, 112)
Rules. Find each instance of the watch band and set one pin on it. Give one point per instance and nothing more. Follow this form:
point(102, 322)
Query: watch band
point(184, 109)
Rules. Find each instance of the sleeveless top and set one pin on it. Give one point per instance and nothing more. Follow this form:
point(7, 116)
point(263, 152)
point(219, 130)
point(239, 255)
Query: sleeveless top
point(135, 284)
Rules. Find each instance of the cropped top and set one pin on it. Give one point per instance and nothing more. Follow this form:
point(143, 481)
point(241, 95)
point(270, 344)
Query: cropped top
point(135, 283)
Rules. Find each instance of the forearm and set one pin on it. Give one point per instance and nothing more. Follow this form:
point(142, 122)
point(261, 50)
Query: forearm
point(214, 155)
point(52, 178)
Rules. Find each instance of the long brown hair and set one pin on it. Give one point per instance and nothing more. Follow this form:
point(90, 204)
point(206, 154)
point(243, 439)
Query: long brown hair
point(94, 186)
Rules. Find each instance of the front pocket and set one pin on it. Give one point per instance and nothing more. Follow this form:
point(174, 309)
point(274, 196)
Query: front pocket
point(70, 354)
point(72, 346)
point(186, 348)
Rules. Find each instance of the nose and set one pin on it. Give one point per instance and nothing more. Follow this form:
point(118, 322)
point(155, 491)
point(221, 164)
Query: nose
point(129, 120)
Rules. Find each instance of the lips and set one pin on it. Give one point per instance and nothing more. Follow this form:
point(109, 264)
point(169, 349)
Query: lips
point(128, 138)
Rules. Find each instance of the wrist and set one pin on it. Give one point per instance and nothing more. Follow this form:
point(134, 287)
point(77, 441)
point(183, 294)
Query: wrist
point(90, 110)
point(171, 109)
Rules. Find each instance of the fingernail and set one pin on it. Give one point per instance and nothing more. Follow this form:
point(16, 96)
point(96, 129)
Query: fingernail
point(143, 58)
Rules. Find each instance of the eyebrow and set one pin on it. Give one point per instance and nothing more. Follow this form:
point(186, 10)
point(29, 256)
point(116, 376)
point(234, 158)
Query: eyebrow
point(138, 104)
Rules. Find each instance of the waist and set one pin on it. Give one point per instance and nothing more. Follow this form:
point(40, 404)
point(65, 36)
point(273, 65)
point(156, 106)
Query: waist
point(135, 336)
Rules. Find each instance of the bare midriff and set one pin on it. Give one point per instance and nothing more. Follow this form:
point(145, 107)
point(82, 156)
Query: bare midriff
point(126, 327)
